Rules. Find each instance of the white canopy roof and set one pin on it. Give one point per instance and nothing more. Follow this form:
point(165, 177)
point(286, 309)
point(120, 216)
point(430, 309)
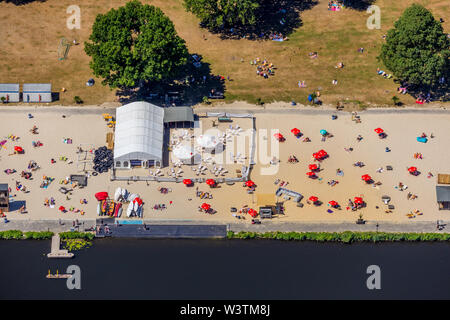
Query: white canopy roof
point(207, 141)
point(139, 132)
point(183, 151)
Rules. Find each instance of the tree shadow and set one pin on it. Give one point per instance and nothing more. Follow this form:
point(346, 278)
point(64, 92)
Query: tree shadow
point(273, 17)
point(440, 92)
point(194, 82)
point(21, 2)
point(359, 5)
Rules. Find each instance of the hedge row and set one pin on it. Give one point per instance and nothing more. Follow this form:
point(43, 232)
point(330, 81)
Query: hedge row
point(76, 235)
point(18, 235)
point(345, 237)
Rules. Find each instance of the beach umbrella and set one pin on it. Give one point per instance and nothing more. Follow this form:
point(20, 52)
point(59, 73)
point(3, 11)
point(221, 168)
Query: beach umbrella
point(322, 153)
point(61, 208)
point(333, 203)
point(379, 130)
point(101, 196)
point(358, 200)
point(206, 206)
point(278, 136)
point(187, 182)
point(313, 167)
point(316, 156)
point(323, 132)
point(252, 212)
point(311, 174)
point(412, 169)
point(295, 131)
point(210, 182)
point(366, 177)
point(313, 199)
point(18, 149)
point(249, 183)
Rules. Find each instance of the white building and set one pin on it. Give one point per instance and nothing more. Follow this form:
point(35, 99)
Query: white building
point(138, 135)
point(37, 92)
point(10, 91)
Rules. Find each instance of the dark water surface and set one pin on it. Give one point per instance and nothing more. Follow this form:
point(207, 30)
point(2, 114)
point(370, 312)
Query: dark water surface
point(228, 269)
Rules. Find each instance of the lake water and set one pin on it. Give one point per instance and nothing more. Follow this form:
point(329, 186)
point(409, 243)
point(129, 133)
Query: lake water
point(228, 269)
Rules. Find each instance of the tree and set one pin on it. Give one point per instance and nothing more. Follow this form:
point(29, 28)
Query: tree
point(417, 49)
point(224, 13)
point(132, 43)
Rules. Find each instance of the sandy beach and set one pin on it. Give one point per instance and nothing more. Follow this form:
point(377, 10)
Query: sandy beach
point(86, 126)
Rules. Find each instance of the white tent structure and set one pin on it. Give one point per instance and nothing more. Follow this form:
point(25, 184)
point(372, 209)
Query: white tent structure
point(208, 142)
point(186, 154)
point(138, 135)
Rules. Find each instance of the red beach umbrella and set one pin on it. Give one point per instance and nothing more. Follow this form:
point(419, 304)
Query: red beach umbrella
point(206, 206)
point(310, 174)
point(249, 183)
point(18, 149)
point(278, 136)
point(333, 203)
point(379, 130)
point(316, 156)
point(313, 167)
point(101, 196)
point(412, 169)
point(313, 199)
point(252, 212)
point(322, 153)
point(187, 182)
point(358, 200)
point(210, 182)
point(366, 177)
point(61, 208)
point(295, 131)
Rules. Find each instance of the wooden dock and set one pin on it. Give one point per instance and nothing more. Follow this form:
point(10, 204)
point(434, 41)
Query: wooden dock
point(56, 251)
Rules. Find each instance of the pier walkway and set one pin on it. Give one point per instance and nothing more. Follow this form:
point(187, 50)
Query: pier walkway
point(56, 251)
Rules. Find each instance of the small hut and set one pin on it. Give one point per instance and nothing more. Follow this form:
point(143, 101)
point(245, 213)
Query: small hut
point(37, 92)
point(4, 197)
point(443, 197)
point(10, 92)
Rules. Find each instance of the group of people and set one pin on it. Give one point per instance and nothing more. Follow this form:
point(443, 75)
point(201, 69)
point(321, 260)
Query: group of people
point(335, 5)
point(263, 68)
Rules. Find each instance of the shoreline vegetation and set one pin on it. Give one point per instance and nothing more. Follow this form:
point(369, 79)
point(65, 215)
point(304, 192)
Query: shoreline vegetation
point(19, 235)
point(343, 237)
point(79, 240)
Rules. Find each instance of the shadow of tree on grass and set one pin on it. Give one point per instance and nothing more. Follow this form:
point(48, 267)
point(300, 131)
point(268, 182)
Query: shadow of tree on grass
point(188, 88)
point(21, 2)
point(273, 16)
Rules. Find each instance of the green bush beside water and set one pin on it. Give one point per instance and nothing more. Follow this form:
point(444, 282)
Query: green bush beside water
point(76, 235)
point(11, 234)
point(43, 235)
point(19, 235)
point(344, 237)
point(76, 244)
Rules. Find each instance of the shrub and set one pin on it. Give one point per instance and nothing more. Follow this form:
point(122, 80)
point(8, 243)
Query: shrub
point(43, 235)
point(76, 235)
point(77, 100)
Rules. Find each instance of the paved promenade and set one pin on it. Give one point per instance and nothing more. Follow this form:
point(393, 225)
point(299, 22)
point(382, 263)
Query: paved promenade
point(266, 226)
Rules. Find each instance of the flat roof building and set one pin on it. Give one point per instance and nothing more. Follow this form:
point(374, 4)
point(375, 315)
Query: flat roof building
point(443, 197)
point(10, 91)
point(37, 92)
